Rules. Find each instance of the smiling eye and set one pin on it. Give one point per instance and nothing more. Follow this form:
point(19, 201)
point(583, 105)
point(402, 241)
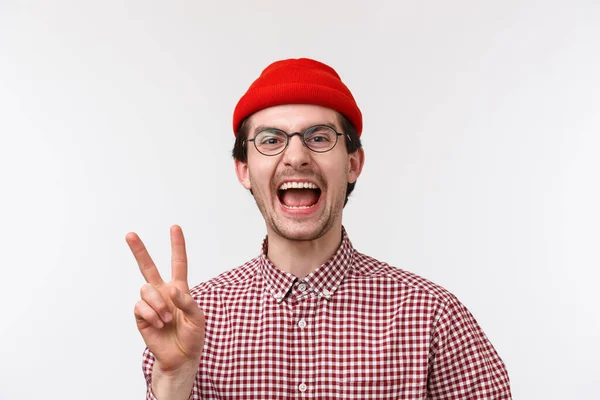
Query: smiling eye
point(320, 138)
point(270, 141)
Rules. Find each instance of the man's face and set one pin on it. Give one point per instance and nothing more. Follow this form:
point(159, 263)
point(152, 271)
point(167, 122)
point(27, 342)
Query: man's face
point(290, 212)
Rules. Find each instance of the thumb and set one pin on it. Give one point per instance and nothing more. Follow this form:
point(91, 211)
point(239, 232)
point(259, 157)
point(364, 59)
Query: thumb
point(188, 305)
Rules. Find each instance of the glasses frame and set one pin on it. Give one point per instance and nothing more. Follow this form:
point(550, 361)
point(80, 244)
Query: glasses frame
point(302, 136)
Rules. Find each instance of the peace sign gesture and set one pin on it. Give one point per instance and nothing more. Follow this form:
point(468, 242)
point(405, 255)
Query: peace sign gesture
point(168, 318)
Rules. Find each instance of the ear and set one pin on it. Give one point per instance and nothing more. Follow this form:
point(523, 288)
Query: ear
point(356, 161)
point(243, 174)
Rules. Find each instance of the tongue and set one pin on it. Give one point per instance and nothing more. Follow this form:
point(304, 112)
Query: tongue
point(299, 197)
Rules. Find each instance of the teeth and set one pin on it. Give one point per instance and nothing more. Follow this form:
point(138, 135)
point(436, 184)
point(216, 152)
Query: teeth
point(298, 185)
point(298, 207)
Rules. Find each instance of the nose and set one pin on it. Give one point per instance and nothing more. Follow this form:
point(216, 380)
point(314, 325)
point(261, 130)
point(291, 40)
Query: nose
point(296, 154)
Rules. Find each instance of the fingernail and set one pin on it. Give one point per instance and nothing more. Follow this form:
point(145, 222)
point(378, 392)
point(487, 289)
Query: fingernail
point(167, 316)
point(159, 324)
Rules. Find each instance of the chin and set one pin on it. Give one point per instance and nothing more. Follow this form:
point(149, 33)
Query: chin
point(301, 230)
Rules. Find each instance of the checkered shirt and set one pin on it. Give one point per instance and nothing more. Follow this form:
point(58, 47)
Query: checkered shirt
point(355, 328)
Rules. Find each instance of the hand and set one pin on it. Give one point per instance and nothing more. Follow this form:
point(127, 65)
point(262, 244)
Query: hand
point(170, 321)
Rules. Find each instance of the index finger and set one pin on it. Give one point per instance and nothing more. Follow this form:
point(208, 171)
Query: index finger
point(179, 262)
point(147, 266)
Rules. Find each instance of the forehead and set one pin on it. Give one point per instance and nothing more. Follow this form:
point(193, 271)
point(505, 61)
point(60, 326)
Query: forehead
point(294, 117)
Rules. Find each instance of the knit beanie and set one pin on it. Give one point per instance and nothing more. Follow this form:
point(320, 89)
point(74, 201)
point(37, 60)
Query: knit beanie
point(298, 81)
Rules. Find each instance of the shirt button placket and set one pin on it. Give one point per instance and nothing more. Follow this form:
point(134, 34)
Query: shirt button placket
point(303, 345)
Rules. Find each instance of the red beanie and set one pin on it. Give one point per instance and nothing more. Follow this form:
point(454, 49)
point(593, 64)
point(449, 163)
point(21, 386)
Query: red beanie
point(298, 81)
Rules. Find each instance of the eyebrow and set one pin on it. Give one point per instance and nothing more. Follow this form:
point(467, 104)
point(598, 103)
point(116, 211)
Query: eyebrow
point(261, 128)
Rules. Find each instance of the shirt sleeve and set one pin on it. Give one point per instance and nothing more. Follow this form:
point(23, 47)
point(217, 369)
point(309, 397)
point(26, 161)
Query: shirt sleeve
point(463, 363)
point(147, 364)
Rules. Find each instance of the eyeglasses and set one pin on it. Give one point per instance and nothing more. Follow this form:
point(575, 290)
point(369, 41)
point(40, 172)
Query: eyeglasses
point(318, 138)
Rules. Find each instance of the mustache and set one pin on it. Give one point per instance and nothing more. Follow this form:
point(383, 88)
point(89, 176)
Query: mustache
point(314, 176)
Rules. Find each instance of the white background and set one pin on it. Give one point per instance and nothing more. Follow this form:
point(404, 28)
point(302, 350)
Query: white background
point(482, 135)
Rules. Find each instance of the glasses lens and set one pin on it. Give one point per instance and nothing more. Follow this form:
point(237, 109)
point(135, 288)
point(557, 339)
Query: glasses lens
point(270, 142)
point(320, 138)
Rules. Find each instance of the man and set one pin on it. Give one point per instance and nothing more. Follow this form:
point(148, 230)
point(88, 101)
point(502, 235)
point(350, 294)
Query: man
point(310, 317)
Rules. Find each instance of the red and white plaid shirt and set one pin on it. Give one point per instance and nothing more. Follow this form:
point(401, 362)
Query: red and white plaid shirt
point(355, 328)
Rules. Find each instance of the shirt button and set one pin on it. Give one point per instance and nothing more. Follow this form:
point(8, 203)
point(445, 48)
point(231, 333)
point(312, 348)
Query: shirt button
point(302, 324)
point(302, 387)
point(326, 293)
point(302, 287)
point(278, 296)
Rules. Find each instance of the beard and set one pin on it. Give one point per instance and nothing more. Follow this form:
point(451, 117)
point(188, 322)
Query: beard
point(304, 230)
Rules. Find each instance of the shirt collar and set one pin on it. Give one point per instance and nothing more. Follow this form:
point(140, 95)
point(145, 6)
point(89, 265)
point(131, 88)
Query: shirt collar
point(324, 281)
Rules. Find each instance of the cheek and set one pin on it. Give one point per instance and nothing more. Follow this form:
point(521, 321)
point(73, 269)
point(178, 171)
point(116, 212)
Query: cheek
point(339, 167)
point(336, 176)
point(261, 173)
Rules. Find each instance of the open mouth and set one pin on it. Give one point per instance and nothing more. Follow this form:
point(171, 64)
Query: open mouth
point(298, 195)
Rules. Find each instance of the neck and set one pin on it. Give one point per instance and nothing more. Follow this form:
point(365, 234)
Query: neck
point(301, 257)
